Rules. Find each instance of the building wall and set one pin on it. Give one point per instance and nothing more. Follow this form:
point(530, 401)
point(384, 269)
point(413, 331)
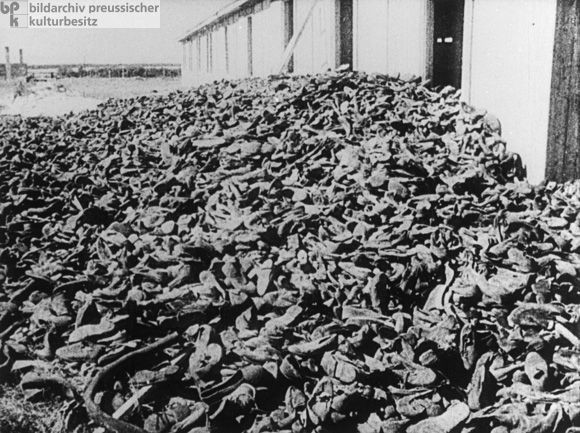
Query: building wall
point(218, 52)
point(370, 35)
point(315, 51)
point(268, 40)
point(507, 69)
point(507, 54)
point(238, 49)
point(390, 36)
point(248, 44)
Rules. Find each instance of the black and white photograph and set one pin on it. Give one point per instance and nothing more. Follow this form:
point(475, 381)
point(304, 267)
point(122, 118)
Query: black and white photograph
point(290, 216)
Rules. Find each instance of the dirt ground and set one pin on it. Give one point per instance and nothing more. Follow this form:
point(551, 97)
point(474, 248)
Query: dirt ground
point(63, 96)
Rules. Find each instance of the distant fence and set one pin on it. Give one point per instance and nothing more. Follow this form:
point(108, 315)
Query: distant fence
point(120, 71)
point(17, 69)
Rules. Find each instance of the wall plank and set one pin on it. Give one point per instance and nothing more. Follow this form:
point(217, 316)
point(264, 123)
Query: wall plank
point(370, 27)
point(315, 50)
point(509, 72)
point(407, 32)
point(391, 36)
point(563, 156)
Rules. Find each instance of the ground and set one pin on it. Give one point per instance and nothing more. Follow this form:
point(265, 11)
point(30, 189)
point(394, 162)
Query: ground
point(59, 97)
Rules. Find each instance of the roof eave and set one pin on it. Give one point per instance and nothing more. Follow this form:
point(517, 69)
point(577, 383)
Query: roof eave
point(220, 15)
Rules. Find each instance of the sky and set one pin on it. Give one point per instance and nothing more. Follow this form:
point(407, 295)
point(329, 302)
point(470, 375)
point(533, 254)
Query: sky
point(103, 46)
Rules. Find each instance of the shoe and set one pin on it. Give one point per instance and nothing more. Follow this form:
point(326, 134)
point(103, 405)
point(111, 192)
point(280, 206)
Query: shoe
point(335, 366)
point(215, 393)
point(198, 415)
point(537, 370)
point(319, 406)
point(312, 348)
point(455, 415)
point(204, 360)
point(80, 352)
point(419, 405)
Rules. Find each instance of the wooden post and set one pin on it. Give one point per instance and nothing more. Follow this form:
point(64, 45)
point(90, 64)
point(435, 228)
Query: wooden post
point(23, 66)
point(227, 48)
point(344, 39)
point(250, 48)
point(8, 66)
point(295, 38)
point(563, 151)
point(430, 29)
point(288, 12)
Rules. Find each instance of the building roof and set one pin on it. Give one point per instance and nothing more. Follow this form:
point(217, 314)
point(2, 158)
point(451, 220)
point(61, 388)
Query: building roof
point(221, 15)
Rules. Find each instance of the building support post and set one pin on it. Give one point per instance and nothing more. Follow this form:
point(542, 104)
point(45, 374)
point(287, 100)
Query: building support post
point(344, 33)
point(250, 48)
point(563, 150)
point(288, 20)
point(288, 53)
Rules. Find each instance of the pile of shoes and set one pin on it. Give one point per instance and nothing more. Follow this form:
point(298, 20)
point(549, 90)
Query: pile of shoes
point(341, 252)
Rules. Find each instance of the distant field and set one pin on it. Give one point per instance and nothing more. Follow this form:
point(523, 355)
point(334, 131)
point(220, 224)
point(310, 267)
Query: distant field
point(62, 96)
point(104, 88)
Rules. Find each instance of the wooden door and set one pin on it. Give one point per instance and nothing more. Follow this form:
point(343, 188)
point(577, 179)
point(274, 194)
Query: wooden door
point(447, 42)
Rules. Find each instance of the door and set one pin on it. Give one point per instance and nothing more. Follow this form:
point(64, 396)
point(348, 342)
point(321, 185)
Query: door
point(447, 42)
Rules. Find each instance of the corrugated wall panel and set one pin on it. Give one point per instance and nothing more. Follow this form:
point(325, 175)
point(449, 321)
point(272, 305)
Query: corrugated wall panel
point(237, 49)
point(407, 32)
point(219, 54)
point(185, 79)
point(268, 39)
point(303, 51)
point(202, 60)
point(315, 51)
point(189, 67)
point(258, 42)
point(391, 36)
point(325, 47)
point(232, 49)
point(242, 51)
point(370, 35)
point(508, 71)
point(225, 53)
point(183, 60)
